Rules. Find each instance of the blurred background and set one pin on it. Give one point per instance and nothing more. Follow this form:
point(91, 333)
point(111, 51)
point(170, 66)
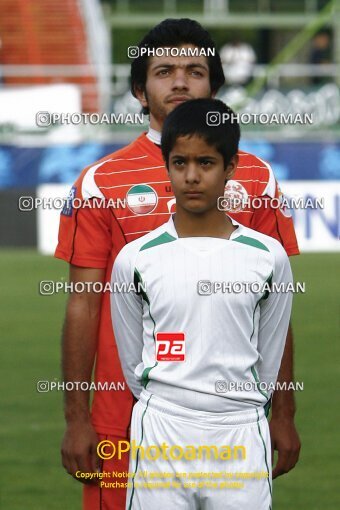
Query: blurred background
point(279, 57)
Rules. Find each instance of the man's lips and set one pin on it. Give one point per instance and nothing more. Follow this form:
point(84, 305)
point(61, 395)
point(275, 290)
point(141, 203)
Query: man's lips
point(178, 99)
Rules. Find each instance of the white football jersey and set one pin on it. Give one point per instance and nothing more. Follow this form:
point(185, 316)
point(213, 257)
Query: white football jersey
point(194, 321)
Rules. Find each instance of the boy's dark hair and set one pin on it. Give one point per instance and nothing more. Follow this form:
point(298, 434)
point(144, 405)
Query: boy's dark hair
point(173, 33)
point(200, 117)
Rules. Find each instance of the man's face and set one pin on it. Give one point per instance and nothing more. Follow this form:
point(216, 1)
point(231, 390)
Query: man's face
point(171, 81)
point(197, 174)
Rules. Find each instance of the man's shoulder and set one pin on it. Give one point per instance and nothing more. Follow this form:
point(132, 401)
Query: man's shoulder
point(134, 151)
point(113, 168)
point(255, 174)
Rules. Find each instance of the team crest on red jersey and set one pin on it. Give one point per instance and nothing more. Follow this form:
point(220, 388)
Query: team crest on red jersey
point(237, 196)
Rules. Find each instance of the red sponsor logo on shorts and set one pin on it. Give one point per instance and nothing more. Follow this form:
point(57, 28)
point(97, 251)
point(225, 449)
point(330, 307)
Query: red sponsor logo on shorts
point(170, 347)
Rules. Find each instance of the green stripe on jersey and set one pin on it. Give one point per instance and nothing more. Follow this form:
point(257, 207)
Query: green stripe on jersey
point(267, 407)
point(145, 375)
point(163, 238)
point(265, 451)
point(138, 279)
point(257, 380)
point(265, 296)
point(262, 298)
point(251, 242)
point(137, 461)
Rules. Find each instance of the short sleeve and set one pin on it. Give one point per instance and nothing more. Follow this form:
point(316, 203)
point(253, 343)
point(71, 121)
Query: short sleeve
point(85, 237)
point(272, 220)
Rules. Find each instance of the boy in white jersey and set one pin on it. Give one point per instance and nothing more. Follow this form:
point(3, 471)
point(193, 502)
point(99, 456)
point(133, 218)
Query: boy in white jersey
point(200, 355)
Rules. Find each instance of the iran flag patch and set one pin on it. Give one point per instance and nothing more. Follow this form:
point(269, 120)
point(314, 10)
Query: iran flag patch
point(141, 199)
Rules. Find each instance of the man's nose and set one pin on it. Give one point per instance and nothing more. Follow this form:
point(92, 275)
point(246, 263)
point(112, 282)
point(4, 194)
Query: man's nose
point(180, 80)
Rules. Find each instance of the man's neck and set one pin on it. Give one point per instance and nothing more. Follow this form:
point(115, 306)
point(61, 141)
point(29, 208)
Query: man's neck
point(210, 224)
point(154, 136)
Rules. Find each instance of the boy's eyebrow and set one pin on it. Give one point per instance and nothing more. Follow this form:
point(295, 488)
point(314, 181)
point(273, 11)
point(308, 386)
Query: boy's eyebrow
point(203, 156)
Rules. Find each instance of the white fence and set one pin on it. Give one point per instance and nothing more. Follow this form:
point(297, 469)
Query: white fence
point(119, 73)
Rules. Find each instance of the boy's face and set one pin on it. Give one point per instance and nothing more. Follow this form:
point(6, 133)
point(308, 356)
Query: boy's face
point(197, 174)
point(171, 81)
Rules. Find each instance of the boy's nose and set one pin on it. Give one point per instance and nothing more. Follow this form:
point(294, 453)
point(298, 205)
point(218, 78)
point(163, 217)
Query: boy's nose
point(192, 174)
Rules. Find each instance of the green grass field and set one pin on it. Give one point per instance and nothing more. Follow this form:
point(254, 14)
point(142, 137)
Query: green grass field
point(32, 422)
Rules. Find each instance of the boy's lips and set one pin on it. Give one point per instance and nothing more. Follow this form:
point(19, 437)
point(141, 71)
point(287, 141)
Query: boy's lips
point(193, 193)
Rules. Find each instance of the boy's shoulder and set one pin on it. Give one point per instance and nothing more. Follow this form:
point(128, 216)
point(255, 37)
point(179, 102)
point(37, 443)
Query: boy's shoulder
point(153, 238)
point(261, 241)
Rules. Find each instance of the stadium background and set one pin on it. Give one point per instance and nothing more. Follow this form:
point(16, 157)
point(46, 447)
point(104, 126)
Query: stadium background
point(71, 56)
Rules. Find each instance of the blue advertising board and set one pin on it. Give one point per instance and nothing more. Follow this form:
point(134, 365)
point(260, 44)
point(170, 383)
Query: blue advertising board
point(22, 166)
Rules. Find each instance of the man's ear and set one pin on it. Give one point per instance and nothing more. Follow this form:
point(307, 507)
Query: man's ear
point(141, 96)
point(231, 168)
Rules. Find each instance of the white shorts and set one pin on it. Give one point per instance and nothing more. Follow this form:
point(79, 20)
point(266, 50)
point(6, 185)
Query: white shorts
point(194, 460)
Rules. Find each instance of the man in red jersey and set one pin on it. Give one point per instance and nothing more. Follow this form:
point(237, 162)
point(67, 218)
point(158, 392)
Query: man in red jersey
point(136, 179)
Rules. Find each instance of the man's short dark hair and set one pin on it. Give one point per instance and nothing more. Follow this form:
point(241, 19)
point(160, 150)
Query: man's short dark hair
point(174, 33)
point(195, 117)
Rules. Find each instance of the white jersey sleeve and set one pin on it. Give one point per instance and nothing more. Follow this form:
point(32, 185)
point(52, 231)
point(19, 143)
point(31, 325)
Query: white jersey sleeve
point(127, 318)
point(274, 318)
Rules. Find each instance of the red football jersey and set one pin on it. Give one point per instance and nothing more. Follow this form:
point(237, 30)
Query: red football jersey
point(135, 183)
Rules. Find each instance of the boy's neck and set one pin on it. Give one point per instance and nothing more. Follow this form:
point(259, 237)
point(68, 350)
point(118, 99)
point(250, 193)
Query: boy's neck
point(210, 224)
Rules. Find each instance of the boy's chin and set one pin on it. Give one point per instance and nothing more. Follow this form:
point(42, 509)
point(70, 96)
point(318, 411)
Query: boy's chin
point(195, 208)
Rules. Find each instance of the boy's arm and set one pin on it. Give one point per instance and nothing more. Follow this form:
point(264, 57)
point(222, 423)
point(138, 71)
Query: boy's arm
point(274, 320)
point(127, 321)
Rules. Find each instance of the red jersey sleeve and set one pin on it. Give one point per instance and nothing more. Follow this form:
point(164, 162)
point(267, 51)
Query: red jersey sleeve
point(84, 237)
point(275, 221)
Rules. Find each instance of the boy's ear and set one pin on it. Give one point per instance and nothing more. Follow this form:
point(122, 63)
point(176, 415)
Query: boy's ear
point(231, 168)
point(141, 96)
